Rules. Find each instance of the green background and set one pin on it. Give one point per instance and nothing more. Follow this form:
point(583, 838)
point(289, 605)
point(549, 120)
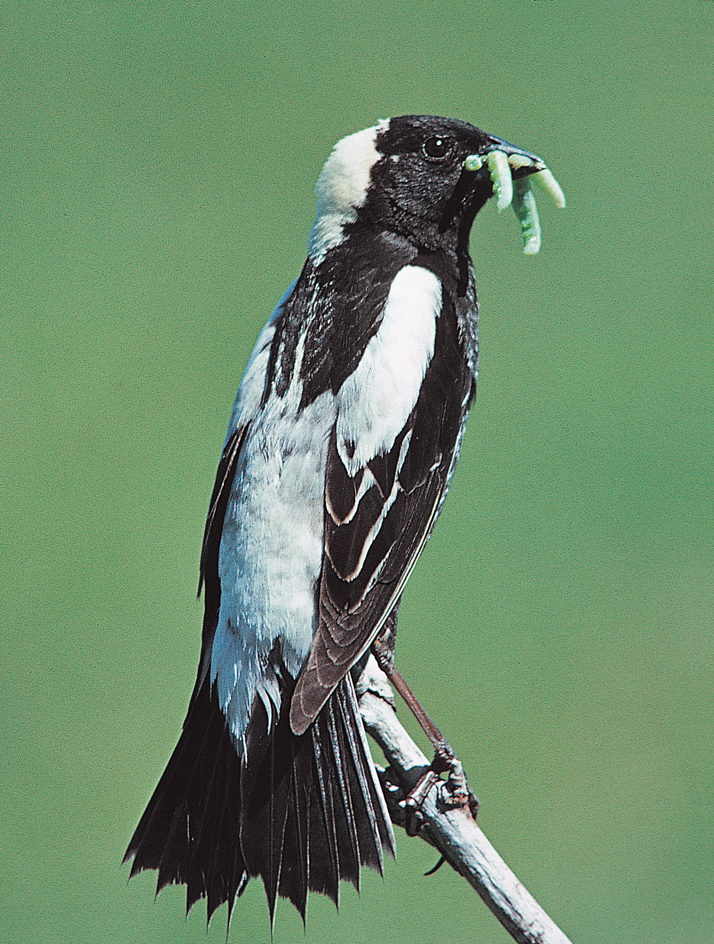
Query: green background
point(156, 184)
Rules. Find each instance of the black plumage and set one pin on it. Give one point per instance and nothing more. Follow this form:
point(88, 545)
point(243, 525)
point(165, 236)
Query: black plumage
point(301, 815)
point(338, 458)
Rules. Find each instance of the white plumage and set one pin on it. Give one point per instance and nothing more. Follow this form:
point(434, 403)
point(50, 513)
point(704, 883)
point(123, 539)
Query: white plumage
point(342, 188)
point(272, 542)
point(377, 398)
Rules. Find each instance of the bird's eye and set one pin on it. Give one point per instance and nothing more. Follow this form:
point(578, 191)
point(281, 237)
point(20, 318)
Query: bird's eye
point(436, 148)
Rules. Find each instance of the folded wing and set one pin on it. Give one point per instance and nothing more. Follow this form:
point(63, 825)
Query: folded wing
point(379, 512)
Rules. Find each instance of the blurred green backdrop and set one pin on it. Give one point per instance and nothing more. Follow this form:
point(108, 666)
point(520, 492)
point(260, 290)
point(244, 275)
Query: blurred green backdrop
point(157, 173)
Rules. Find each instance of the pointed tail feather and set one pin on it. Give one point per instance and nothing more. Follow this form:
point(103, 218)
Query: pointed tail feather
point(316, 812)
point(189, 831)
point(302, 813)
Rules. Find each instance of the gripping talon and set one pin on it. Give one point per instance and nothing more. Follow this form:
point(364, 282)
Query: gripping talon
point(436, 867)
point(415, 801)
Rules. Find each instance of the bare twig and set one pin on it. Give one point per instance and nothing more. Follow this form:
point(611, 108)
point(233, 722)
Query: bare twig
point(451, 829)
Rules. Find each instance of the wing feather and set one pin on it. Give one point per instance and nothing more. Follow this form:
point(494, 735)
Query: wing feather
point(225, 476)
point(371, 550)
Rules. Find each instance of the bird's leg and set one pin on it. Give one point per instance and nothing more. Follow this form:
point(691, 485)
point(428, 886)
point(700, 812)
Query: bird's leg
point(383, 649)
point(445, 759)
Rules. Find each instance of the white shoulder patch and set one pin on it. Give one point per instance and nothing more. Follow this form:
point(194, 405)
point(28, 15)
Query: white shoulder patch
point(342, 188)
point(375, 401)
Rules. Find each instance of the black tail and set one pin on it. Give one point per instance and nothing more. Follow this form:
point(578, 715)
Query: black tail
point(300, 812)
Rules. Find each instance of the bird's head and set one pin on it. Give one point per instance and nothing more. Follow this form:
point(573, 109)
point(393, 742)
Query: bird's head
point(425, 179)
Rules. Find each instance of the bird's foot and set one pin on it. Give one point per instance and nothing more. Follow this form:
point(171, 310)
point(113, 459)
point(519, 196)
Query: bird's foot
point(453, 793)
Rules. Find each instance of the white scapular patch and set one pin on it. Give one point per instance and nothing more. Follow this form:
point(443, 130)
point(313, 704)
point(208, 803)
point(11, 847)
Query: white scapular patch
point(342, 188)
point(375, 401)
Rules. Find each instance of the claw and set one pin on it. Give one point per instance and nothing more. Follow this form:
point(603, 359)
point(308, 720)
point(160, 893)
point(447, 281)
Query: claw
point(500, 172)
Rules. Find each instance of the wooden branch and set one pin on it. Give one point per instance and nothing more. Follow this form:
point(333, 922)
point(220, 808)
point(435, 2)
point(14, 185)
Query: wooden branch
point(452, 830)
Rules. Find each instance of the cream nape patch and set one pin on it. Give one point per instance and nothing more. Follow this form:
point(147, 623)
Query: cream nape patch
point(342, 188)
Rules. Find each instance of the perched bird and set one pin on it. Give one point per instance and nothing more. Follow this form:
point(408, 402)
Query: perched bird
point(339, 453)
